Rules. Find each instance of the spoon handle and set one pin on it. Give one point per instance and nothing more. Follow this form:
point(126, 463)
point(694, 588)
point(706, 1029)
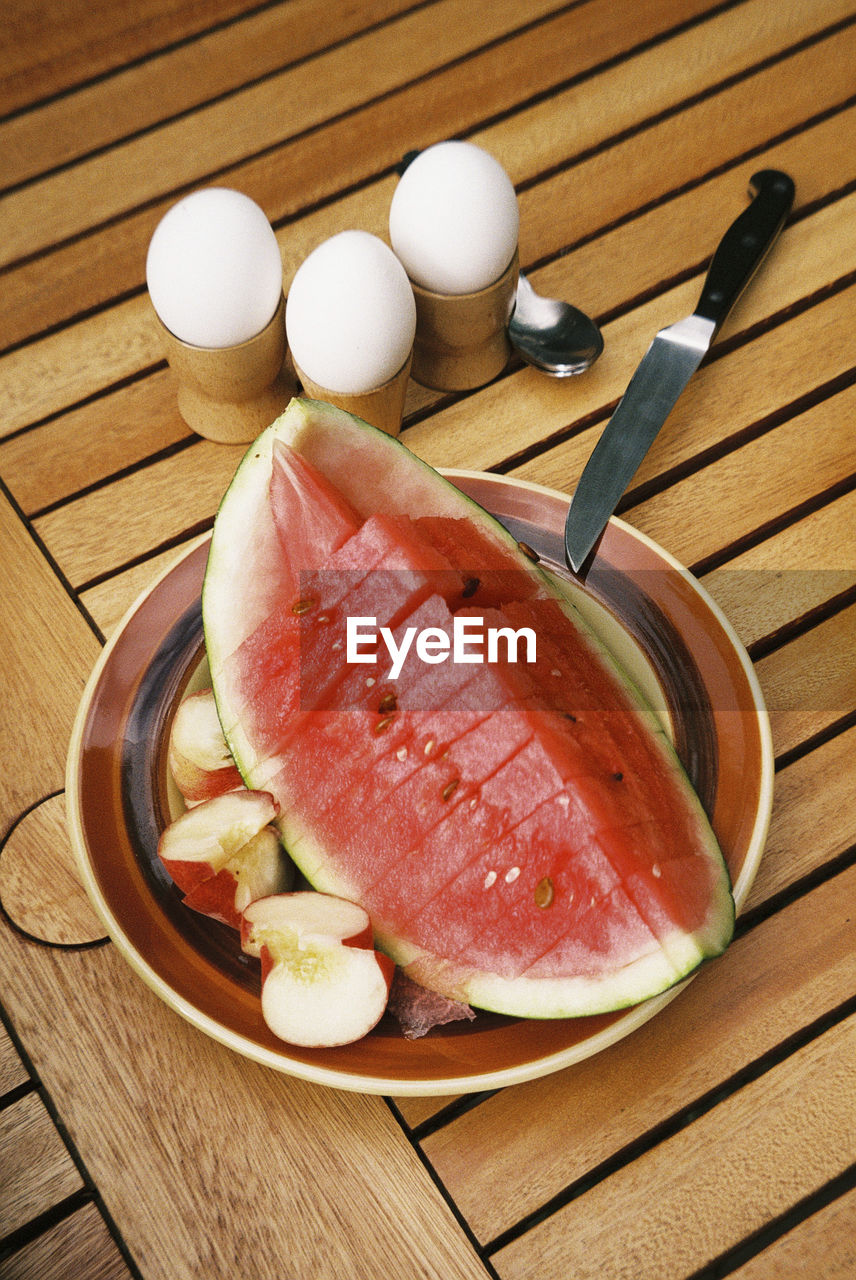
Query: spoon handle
point(745, 244)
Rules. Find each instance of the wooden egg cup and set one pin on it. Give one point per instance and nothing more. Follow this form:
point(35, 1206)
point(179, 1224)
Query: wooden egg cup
point(230, 394)
point(461, 339)
point(382, 406)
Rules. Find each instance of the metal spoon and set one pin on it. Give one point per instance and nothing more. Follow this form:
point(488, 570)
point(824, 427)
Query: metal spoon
point(553, 336)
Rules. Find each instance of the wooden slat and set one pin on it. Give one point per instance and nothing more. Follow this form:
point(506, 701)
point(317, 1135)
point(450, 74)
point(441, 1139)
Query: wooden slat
point(734, 1011)
point(788, 575)
point(726, 1120)
point(108, 602)
point(12, 1070)
point(96, 440)
point(771, 465)
point(288, 180)
point(798, 266)
point(812, 821)
point(181, 1134)
point(133, 423)
point(706, 57)
point(182, 77)
point(810, 683)
point(112, 261)
point(794, 572)
point(756, 1154)
point(142, 510)
point(827, 1238)
point(37, 1171)
point(78, 1246)
point(808, 792)
point(51, 47)
point(49, 651)
point(640, 250)
point(64, 368)
point(119, 430)
point(223, 133)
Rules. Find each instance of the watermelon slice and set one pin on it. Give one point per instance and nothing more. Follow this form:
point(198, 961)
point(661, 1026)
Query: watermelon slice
point(519, 830)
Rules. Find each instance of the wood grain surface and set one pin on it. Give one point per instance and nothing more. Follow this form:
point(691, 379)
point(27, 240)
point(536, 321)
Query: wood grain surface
point(39, 849)
point(79, 1245)
point(213, 1165)
point(38, 1170)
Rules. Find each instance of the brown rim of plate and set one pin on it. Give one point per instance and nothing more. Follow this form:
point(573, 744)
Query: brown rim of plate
point(116, 793)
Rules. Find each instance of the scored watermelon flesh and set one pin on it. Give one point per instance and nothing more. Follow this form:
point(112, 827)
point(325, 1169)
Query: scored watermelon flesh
point(484, 566)
point(322, 521)
point(381, 570)
point(581, 892)
point(534, 775)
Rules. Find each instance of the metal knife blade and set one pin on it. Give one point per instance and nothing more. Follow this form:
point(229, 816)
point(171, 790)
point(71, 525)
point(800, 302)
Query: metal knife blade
point(669, 363)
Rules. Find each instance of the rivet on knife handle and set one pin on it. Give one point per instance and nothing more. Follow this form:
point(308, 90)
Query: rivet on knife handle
point(745, 244)
point(670, 362)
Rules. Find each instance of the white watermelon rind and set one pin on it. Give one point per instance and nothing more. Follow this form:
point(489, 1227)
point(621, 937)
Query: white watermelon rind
point(335, 442)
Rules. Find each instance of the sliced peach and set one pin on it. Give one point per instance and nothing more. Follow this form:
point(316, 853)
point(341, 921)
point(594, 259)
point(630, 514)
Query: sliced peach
point(261, 867)
point(323, 984)
point(203, 840)
point(198, 754)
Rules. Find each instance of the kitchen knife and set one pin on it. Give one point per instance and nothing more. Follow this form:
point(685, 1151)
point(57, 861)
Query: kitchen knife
point(670, 362)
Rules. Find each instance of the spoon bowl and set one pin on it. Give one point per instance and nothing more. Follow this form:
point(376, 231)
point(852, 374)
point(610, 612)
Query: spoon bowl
point(552, 336)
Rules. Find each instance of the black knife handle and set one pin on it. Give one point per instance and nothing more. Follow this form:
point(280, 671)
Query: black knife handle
point(743, 247)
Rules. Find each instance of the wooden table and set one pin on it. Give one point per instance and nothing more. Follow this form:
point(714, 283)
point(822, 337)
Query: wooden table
point(720, 1138)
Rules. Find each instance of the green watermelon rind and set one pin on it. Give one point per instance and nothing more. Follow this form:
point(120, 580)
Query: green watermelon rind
point(333, 440)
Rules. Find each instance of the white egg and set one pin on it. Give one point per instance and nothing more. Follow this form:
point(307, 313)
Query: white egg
point(454, 219)
point(350, 316)
point(214, 269)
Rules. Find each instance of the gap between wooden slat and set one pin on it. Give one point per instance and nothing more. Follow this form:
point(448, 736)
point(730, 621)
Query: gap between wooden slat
point(759, 535)
point(677, 109)
point(43, 1221)
point(815, 741)
point(748, 920)
point(763, 426)
point(796, 874)
point(642, 491)
point(683, 188)
point(735, 1258)
point(621, 135)
point(446, 1114)
point(392, 13)
point(12, 1095)
point(54, 568)
point(168, 544)
point(784, 635)
point(768, 900)
point(734, 1195)
point(781, 521)
point(674, 279)
point(169, 451)
point(475, 1244)
point(71, 1242)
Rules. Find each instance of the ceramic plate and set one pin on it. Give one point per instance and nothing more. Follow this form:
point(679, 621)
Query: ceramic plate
point(649, 610)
